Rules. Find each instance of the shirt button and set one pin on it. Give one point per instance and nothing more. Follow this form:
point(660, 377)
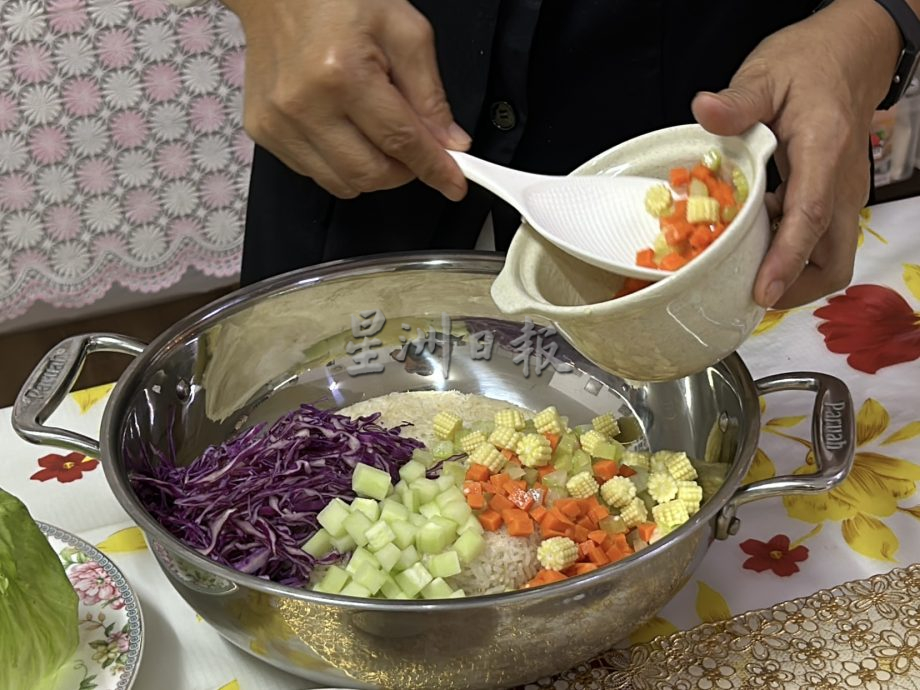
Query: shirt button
point(503, 116)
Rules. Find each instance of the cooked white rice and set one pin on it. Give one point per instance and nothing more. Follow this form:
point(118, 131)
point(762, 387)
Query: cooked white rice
point(505, 563)
point(420, 408)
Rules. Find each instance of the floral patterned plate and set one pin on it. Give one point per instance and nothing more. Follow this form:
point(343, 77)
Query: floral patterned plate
point(111, 627)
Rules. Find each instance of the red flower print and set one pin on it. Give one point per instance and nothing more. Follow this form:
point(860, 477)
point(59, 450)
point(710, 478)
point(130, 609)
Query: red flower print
point(64, 468)
point(872, 324)
point(773, 555)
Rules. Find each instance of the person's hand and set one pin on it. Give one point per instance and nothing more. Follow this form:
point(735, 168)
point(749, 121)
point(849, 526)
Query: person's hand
point(816, 84)
point(348, 92)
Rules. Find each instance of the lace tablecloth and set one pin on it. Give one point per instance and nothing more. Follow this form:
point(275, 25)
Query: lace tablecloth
point(122, 158)
point(865, 634)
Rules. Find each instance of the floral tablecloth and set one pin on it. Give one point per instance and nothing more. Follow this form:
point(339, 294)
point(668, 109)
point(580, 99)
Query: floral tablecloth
point(786, 550)
point(122, 156)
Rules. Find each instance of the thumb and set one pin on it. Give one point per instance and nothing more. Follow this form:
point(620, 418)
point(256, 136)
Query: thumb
point(734, 110)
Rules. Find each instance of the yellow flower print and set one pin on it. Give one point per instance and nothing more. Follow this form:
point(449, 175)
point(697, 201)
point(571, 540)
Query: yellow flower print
point(874, 489)
point(865, 217)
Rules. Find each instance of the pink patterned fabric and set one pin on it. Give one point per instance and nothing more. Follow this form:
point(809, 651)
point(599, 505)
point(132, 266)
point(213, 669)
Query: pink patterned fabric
point(122, 157)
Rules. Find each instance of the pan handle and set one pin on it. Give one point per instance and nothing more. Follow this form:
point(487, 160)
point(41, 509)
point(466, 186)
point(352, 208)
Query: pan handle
point(833, 433)
point(50, 382)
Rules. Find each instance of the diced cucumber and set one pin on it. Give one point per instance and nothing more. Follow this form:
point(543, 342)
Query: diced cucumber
point(486, 427)
point(424, 456)
point(514, 471)
point(417, 519)
point(445, 482)
point(319, 544)
point(332, 517)
point(379, 535)
point(567, 445)
point(581, 462)
point(405, 533)
point(472, 524)
point(531, 475)
point(647, 499)
point(390, 589)
point(370, 482)
point(613, 524)
point(455, 470)
point(457, 594)
point(368, 506)
point(391, 510)
point(388, 556)
point(562, 461)
point(442, 450)
point(556, 479)
point(412, 580)
point(427, 489)
point(408, 557)
point(609, 450)
point(458, 511)
point(697, 188)
point(411, 500)
point(640, 479)
point(412, 470)
point(445, 564)
point(429, 510)
point(437, 589)
point(357, 525)
point(401, 488)
point(343, 544)
point(353, 589)
point(445, 523)
point(450, 495)
point(359, 558)
point(468, 546)
point(368, 576)
point(581, 429)
point(433, 537)
point(333, 580)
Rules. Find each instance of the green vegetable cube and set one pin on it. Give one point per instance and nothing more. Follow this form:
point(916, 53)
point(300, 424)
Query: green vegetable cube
point(333, 580)
point(319, 544)
point(379, 535)
point(391, 510)
point(457, 511)
point(401, 487)
point(332, 517)
point(445, 482)
point(408, 557)
point(370, 482)
point(417, 519)
point(388, 556)
point(411, 500)
point(343, 544)
point(442, 450)
point(446, 523)
point(445, 564)
point(390, 589)
point(454, 470)
point(427, 489)
point(368, 506)
point(404, 533)
point(368, 576)
point(468, 546)
point(581, 461)
point(411, 471)
point(360, 557)
point(353, 589)
point(357, 525)
point(429, 510)
point(449, 495)
point(472, 524)
point(412, 580)
point(434, 537)
point(609, 450)
point(424, 456)
point(457, 594)
point(437, 589)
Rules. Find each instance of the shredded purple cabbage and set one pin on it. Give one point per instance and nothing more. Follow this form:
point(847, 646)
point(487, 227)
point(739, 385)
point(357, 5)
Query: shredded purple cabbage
point(250, 503)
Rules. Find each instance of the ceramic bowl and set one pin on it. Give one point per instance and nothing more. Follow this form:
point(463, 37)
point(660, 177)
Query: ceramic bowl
point(679, 325)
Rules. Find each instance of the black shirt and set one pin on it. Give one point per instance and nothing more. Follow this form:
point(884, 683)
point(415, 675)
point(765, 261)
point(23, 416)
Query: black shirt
point(542, 85)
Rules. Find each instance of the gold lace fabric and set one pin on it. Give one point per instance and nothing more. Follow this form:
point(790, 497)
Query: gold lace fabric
point(863, 634)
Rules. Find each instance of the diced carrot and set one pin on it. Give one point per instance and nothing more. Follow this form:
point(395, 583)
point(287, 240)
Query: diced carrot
point(626, 471)
point(519, 483)
point(646, 258)
point(581, 569)
point(520, 528)
point(545, 470)
point(679, 213)
point(645, 530)
point(553, 440)
point(701, 238)
point(472, 487)
point(679, 177)
point(548, 533)
point(586, 522)
point(538, 493)
point(595, 555)
point(514, 460)
point(569, 507)
point(614, 554)
point(545, 577)
point(604, 470)
point(584, 548)
point(597, 536)
point(581, 533)
point(552, 521)
point(490, 520)
point(498, 481)
point(701, 172)
point(522, 499)
point(717, 230)
point(631, 285)
point(676, 232)
point(672, 262)
point(508, 453)
point(598, 513)
point(500, 503)
point(477, 473)
point(488, 488)
point(538, 512)
point(619, 542)
point(475, 501)
point(512, 514)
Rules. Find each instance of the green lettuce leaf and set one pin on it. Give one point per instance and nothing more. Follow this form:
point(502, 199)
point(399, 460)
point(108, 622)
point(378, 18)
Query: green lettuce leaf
point(38, 605)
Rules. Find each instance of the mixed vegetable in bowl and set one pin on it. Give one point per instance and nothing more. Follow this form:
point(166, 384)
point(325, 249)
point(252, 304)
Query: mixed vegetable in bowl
point(693, 211)
point(349, 507)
